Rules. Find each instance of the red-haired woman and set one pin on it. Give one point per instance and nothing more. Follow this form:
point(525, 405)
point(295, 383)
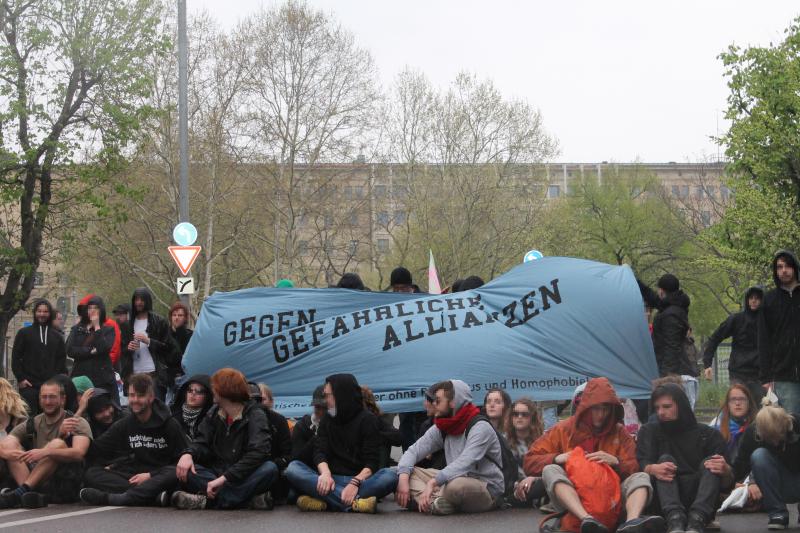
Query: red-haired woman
point(227, 466)
point(738, 411)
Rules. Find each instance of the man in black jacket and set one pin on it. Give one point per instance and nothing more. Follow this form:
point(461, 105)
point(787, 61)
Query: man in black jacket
point(281, 439)
point(147, 345)
point(779, 332)
point(743, 364)
point(685, 460)
point(346, 455)
point(90, 343)
point(39, 354)
point(670, 325)
point(149, 441)
point(305, 431)
point(192, 402)
point(227, 466)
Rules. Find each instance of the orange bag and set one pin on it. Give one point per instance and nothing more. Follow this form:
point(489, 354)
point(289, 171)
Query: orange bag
point(598, 488)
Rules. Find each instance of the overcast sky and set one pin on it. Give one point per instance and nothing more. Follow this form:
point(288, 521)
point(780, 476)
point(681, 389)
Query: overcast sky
point(615, 80)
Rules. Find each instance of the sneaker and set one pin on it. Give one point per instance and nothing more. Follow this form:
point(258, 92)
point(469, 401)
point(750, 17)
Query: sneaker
point(643, 524)
point(33, 500)
point(442, 507)
point(714, 525)
point(778, 522)
point(676, 522)
point(309, 504)
point(6, 490)
point(184, 500)
point(591, 525)
point(365, 505)
point(9, 500)
point(262, 502)
point(696, 523)
point(163, 499)
point(93, 496)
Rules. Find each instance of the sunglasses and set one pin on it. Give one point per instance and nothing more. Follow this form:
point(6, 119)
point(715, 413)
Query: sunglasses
point(521, 414)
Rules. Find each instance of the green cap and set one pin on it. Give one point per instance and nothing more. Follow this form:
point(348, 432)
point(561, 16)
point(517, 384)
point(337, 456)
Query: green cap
point(285, 284)
point(82, 383)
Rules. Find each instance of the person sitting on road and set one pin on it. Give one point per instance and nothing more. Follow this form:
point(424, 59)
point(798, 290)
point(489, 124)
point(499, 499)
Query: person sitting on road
point(497, 408)
point(148, 443)
point(597, 427)
point(472, 480)
point(346, 455)
point(192, 401)
point(305, 431)
point(685, 460)
point(227, 465)
point(45, 467)
point(281, 443)
point(99, 408)
point(736, 414)
point(389, 435)
point(13, 409)
point(770, 449)
point(525, 426)
point(436, 460)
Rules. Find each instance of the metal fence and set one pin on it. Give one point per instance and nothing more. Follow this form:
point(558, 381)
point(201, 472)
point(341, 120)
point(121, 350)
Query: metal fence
point(720, 364)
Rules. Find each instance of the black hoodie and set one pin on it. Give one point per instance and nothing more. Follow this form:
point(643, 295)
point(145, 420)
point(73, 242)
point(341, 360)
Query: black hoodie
point(779, 328)
point(91, 350)
point(670, 326)
point(742, 327)
point(350, 441)
point(180, 399)
point(144, 447)
point(163, 347)
point(688, 442)
point(39, 351)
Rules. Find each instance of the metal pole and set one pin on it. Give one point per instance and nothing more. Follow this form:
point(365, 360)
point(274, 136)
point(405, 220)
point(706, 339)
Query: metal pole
point(183, 120)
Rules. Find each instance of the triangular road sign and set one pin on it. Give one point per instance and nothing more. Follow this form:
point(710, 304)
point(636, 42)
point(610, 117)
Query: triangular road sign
point(184, 257)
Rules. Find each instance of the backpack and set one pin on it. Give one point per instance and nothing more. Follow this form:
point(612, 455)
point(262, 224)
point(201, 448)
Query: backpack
point(30, 428)
point(509, 466)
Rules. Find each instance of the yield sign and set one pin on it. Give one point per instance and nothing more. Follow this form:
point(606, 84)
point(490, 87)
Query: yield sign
point(184, 257)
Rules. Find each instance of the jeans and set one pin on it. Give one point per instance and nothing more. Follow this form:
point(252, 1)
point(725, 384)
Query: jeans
point(690, 386)
point(688, 492)
point(549, 417)
point(778, 485)
point(304, 480)
point(788, 393)
point(113, 482)
point(233, 494)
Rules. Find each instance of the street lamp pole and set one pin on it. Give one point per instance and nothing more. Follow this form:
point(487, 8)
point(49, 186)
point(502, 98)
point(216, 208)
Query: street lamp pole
point(183, 121)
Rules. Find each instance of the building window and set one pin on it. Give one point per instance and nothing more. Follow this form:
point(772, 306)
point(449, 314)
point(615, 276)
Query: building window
point(724, 192)
point(353, 248)
point(348, 192)
point(705, 216)
point(380, 191)
point(553, 191)
point(383, 246)
point(710, 191)
point(399, 191)
point(302, 247)
point(399, 217)
point(359, 192)
point(676, 191)
point(328, 245)
point(383, 218)
point(354, 219)
point(700, 192)
point(38, 279)
point(684, 191)
point(328, 221)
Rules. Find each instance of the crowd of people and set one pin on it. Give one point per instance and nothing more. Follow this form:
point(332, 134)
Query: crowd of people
point(206, 442)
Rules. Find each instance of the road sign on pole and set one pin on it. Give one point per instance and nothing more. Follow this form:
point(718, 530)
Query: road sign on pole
point(185, 286)
point(533, 255)
point(184, 257)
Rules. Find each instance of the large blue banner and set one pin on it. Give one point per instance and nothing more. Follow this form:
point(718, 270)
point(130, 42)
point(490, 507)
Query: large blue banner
point(539, 330)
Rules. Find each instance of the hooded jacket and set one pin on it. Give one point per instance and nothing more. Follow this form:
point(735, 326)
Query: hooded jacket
point(350, 441)
point(613, 439)
point(91, 350)
point(742, 327)
point(779, 328)
point(234, 451)
point(99, 400)
point(163, 347)
point(115, 350)
point(180, 400)
point(688, 442)
point(142, 446)
point(670, 326)
point(39, 351)
point(475, 455)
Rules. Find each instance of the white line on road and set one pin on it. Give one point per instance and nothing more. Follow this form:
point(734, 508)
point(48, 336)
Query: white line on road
point(56, 516)
point(12, 511)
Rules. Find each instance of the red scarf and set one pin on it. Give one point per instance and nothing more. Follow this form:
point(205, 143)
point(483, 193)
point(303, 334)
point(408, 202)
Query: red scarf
point(457, 424)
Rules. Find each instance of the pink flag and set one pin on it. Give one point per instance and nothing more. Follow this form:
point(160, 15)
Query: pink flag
point(433, 277)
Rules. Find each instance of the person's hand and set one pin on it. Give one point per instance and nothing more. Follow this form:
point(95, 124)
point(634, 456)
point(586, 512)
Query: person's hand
point(69, 425)
point(325, 484)
point(35, 455)
point(213, 487)
point(402, 495)
point(562, 459)
point(142, 337)
point(349, 494)
point(753, 493)
point(133, 346)
point(95, 323)
point(522, 488)
point(83, 403)
point(24, 384)
point(138, 479)
point(602, 457)
point(185, 464)
point(716, 465)
point(708, 373)
point(426, 498)
point(664, 471)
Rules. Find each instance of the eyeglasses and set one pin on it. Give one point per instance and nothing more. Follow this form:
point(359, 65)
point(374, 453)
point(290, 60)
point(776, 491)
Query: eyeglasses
point(740, 399)
point(521, 414)
point(198, 392)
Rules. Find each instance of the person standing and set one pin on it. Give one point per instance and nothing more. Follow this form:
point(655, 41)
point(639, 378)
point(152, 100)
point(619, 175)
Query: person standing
point(90, 343)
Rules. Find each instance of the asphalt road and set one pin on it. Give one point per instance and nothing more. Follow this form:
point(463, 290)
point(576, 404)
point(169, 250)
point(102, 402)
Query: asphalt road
point(82, 518)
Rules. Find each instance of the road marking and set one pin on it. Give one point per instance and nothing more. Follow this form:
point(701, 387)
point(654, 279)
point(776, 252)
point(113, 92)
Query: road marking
point(56, 516)
point(12, 511)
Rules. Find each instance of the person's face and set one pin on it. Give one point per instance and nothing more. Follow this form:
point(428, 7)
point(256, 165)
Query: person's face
point(521, 417)
point(267, 401)
point(661, 293)
point(329, 398)
point(42, 314)
point(319, 411)
point(51, 399)
point(738, 405)
point(178, 318)
point(58, 321)
point(139, 403)
point(599, 414)
point(444, 408)
point(785, 272)
point(138, 304)
point(754, 302)
point(402, 288)
point(93, 311)
point(427, 403)
point(122, 318)
point(494, 405)
point(666, 409)
point(195, 395)
point(105, 415)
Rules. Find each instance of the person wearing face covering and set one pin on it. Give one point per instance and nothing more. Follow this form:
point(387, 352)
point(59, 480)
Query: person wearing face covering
point(346, 455)
point(685, 460)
